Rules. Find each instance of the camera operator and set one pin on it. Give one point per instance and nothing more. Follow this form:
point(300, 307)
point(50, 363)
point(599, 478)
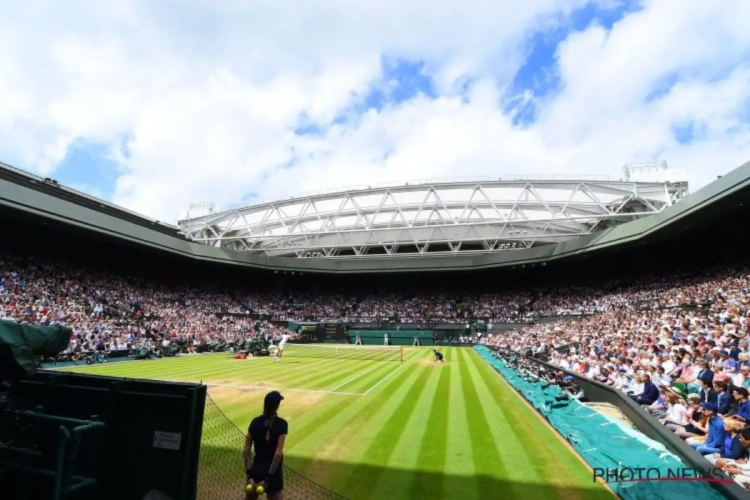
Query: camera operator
point(570, 390)
point(553, 378)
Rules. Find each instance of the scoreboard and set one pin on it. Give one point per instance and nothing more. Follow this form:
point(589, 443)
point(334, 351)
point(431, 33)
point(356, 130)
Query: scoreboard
point(332, 331)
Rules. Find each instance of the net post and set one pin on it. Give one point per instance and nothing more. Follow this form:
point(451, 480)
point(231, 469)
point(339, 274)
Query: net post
point(402, 353)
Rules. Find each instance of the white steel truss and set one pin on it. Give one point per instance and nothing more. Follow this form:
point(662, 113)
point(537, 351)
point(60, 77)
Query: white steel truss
point(433, 218)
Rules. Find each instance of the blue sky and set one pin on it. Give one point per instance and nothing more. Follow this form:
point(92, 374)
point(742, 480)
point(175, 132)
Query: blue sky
point(89, 166)
point(539, 74)
point(265, 102)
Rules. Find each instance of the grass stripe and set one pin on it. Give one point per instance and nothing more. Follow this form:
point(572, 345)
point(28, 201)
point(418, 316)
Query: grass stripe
point(320, 379)
point(172, 368)
point(458, 446)
point(334, 439)
point(554, 464)
point(342, 413)
point(487, 461)
point(505, 427)
point(363, 384)
point(390, 431)
point(381, 381)
point(432, 453)
point(455, 430)
point(359, 375)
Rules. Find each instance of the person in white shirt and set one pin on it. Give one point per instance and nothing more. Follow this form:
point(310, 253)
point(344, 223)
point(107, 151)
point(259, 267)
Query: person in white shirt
point(676, 412)
point(668, 365)
point(662, 378)
point(280, 348)
point(636, 387)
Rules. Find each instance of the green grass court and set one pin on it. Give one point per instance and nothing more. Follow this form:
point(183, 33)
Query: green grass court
point(388, 429)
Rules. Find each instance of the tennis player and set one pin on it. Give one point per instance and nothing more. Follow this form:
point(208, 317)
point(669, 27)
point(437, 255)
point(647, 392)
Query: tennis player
point(280, 349)
point(266, 435)
point(438, 356)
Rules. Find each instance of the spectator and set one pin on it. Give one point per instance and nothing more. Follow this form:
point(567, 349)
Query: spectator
point(676, 413)
point(739, 468)
point(707, 392)
point(648, 395)
point(723, 399)
point(659, 407)
point(732, 448)
point(740, 407)
point(714, 431)
point(744, 378)
point(693, 415)
point(705, 374)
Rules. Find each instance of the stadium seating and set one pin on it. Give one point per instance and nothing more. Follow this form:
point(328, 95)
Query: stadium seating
point(662, 316)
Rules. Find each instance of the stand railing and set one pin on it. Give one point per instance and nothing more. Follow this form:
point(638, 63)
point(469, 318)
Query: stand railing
point(72, 461)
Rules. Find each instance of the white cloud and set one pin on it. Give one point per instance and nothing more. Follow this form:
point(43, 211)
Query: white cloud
point(208, 94)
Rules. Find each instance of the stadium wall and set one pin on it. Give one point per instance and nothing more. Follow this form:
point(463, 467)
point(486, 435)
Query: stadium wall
point(125, 458)
point(395, 337)
point(29, 195)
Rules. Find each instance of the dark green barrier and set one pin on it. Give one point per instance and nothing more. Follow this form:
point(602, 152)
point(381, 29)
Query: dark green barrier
point(395, 337)
point(151, 439)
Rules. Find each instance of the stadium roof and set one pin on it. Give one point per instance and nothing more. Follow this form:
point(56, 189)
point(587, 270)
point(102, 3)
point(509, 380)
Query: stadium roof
point(35, 196)
point(434, 218)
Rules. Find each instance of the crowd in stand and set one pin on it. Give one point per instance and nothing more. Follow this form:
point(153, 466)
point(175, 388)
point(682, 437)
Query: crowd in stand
point(110, 312)
point(678, 348)
point(677, 344)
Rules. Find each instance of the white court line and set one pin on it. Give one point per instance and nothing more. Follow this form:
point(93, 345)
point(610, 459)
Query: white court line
point(356, 377)
point(283, 389)
point(383, 379)
point(303, 365)
point(117, 363)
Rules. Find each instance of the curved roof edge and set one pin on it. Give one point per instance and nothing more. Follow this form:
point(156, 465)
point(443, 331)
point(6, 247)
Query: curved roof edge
point(49, 201)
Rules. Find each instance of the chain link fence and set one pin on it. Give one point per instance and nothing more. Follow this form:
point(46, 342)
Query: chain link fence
point(220, 473)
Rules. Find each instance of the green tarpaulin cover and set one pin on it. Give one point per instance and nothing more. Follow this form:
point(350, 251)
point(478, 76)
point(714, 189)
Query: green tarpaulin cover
point(605, 443)
point(25, 342)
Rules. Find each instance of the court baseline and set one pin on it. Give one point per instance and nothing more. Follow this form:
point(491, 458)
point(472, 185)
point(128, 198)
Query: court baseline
point(389, 375)
point(359, 375)
point(291, 389)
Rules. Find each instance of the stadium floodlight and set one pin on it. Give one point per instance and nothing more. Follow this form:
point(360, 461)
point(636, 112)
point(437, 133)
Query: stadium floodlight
point(426, 219)
point(201, 209)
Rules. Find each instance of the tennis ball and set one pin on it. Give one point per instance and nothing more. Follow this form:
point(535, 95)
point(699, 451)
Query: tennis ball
point(249, 487)
point(260, 489)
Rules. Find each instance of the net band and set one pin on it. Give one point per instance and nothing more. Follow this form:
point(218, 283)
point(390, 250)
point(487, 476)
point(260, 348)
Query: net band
point(343, 352)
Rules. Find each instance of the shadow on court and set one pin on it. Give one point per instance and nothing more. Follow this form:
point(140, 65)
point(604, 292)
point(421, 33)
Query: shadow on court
point(221, 477)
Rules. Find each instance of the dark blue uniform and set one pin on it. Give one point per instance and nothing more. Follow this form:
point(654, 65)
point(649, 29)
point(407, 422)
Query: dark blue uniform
point(438, 356)
point(265, 432)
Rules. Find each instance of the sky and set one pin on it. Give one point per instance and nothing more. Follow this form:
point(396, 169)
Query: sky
point(156, 105)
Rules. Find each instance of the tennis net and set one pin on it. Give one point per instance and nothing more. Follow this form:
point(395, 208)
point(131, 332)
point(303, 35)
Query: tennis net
point(344, 352)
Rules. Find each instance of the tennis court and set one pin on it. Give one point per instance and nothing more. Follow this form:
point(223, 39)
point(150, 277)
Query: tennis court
point(368, 425)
